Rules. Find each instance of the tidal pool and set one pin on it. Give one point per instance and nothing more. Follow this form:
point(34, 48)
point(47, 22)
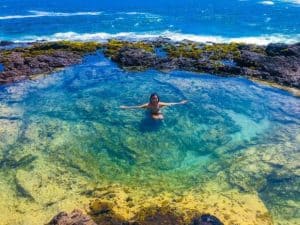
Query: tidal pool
point(232, 150)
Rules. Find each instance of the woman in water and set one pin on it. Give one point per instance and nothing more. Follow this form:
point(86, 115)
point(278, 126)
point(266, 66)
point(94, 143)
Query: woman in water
point(154, 105)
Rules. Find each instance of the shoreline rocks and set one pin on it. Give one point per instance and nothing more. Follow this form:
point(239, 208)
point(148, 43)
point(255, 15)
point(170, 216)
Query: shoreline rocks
point(162, 216)
point(41, 58)
point(277, 63)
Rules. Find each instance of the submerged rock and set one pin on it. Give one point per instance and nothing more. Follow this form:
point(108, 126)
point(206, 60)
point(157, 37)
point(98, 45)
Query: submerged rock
point(206, 219)
point(117, 205)
point(147, 216)
point(14, 163)
point(74, 218)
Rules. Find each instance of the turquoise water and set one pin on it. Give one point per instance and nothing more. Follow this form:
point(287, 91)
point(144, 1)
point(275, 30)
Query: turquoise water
point(245, 131)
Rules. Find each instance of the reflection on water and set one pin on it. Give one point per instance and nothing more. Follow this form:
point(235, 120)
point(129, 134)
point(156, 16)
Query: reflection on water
point(64, 137)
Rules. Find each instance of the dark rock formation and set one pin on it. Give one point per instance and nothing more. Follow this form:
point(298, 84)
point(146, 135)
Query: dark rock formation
point(136, 57)
point(206, 219)
point(41, 58)
point(283, 50)
point(279, 63)
point(74, 218)
point(102, 213)
point(19, 67)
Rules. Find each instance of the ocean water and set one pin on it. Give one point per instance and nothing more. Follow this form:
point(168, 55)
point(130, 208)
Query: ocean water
point(218, 20)
point(231, 151)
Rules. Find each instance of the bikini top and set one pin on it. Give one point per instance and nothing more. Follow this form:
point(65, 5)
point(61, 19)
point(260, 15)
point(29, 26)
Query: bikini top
point(154, 109)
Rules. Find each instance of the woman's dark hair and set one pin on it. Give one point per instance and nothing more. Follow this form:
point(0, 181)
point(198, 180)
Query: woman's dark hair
point(153, 94)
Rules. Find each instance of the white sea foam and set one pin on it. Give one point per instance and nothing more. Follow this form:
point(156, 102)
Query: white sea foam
point(267, 3)
point(260, 40)
point(138, 13)
point(296, 2)
point(268, 19)
point(175, 36)
point(146, 15)
point(34, 14)
point(99, 37)
point(292, 1)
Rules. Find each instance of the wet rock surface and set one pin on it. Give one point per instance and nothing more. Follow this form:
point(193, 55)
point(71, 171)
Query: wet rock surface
point(23, 62)
point(18, 67)
point(279, 63)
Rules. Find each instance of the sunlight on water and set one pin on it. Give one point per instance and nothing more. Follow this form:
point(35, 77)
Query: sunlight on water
point(63, 135)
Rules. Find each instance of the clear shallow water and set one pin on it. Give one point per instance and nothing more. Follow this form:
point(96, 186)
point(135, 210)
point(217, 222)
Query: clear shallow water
point(249, 21)
point(233, 132)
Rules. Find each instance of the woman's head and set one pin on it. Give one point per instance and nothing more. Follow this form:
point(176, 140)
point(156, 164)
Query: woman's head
point(154, 98)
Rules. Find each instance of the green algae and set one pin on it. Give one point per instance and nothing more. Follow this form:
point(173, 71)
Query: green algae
point(79, 47)
point(113, 47)
point(184, 50)
point(50, 48)
point(223, 51)
point(13, 163)
point(204, 51)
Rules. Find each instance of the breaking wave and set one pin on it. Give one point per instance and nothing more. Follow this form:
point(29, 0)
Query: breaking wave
point(175, 36)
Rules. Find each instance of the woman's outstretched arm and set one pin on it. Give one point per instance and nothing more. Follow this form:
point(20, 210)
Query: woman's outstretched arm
point(144, 106)
point(173, 103)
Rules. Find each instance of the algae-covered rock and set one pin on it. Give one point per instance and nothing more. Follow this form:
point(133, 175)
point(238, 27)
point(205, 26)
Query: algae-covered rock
point(135, 58)
point(249, 176)
point(272, 171)
point(113, 47)
point(74, 46)
point(139, 206)
point(277, 63)
point(9, 162)
point(9, 132)
point(159, 215)
point(100, 207)
point(103, 214)
point(42, 58)
point(256, 167)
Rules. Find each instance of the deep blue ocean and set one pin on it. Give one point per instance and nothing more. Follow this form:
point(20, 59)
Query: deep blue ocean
point(217, 20)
